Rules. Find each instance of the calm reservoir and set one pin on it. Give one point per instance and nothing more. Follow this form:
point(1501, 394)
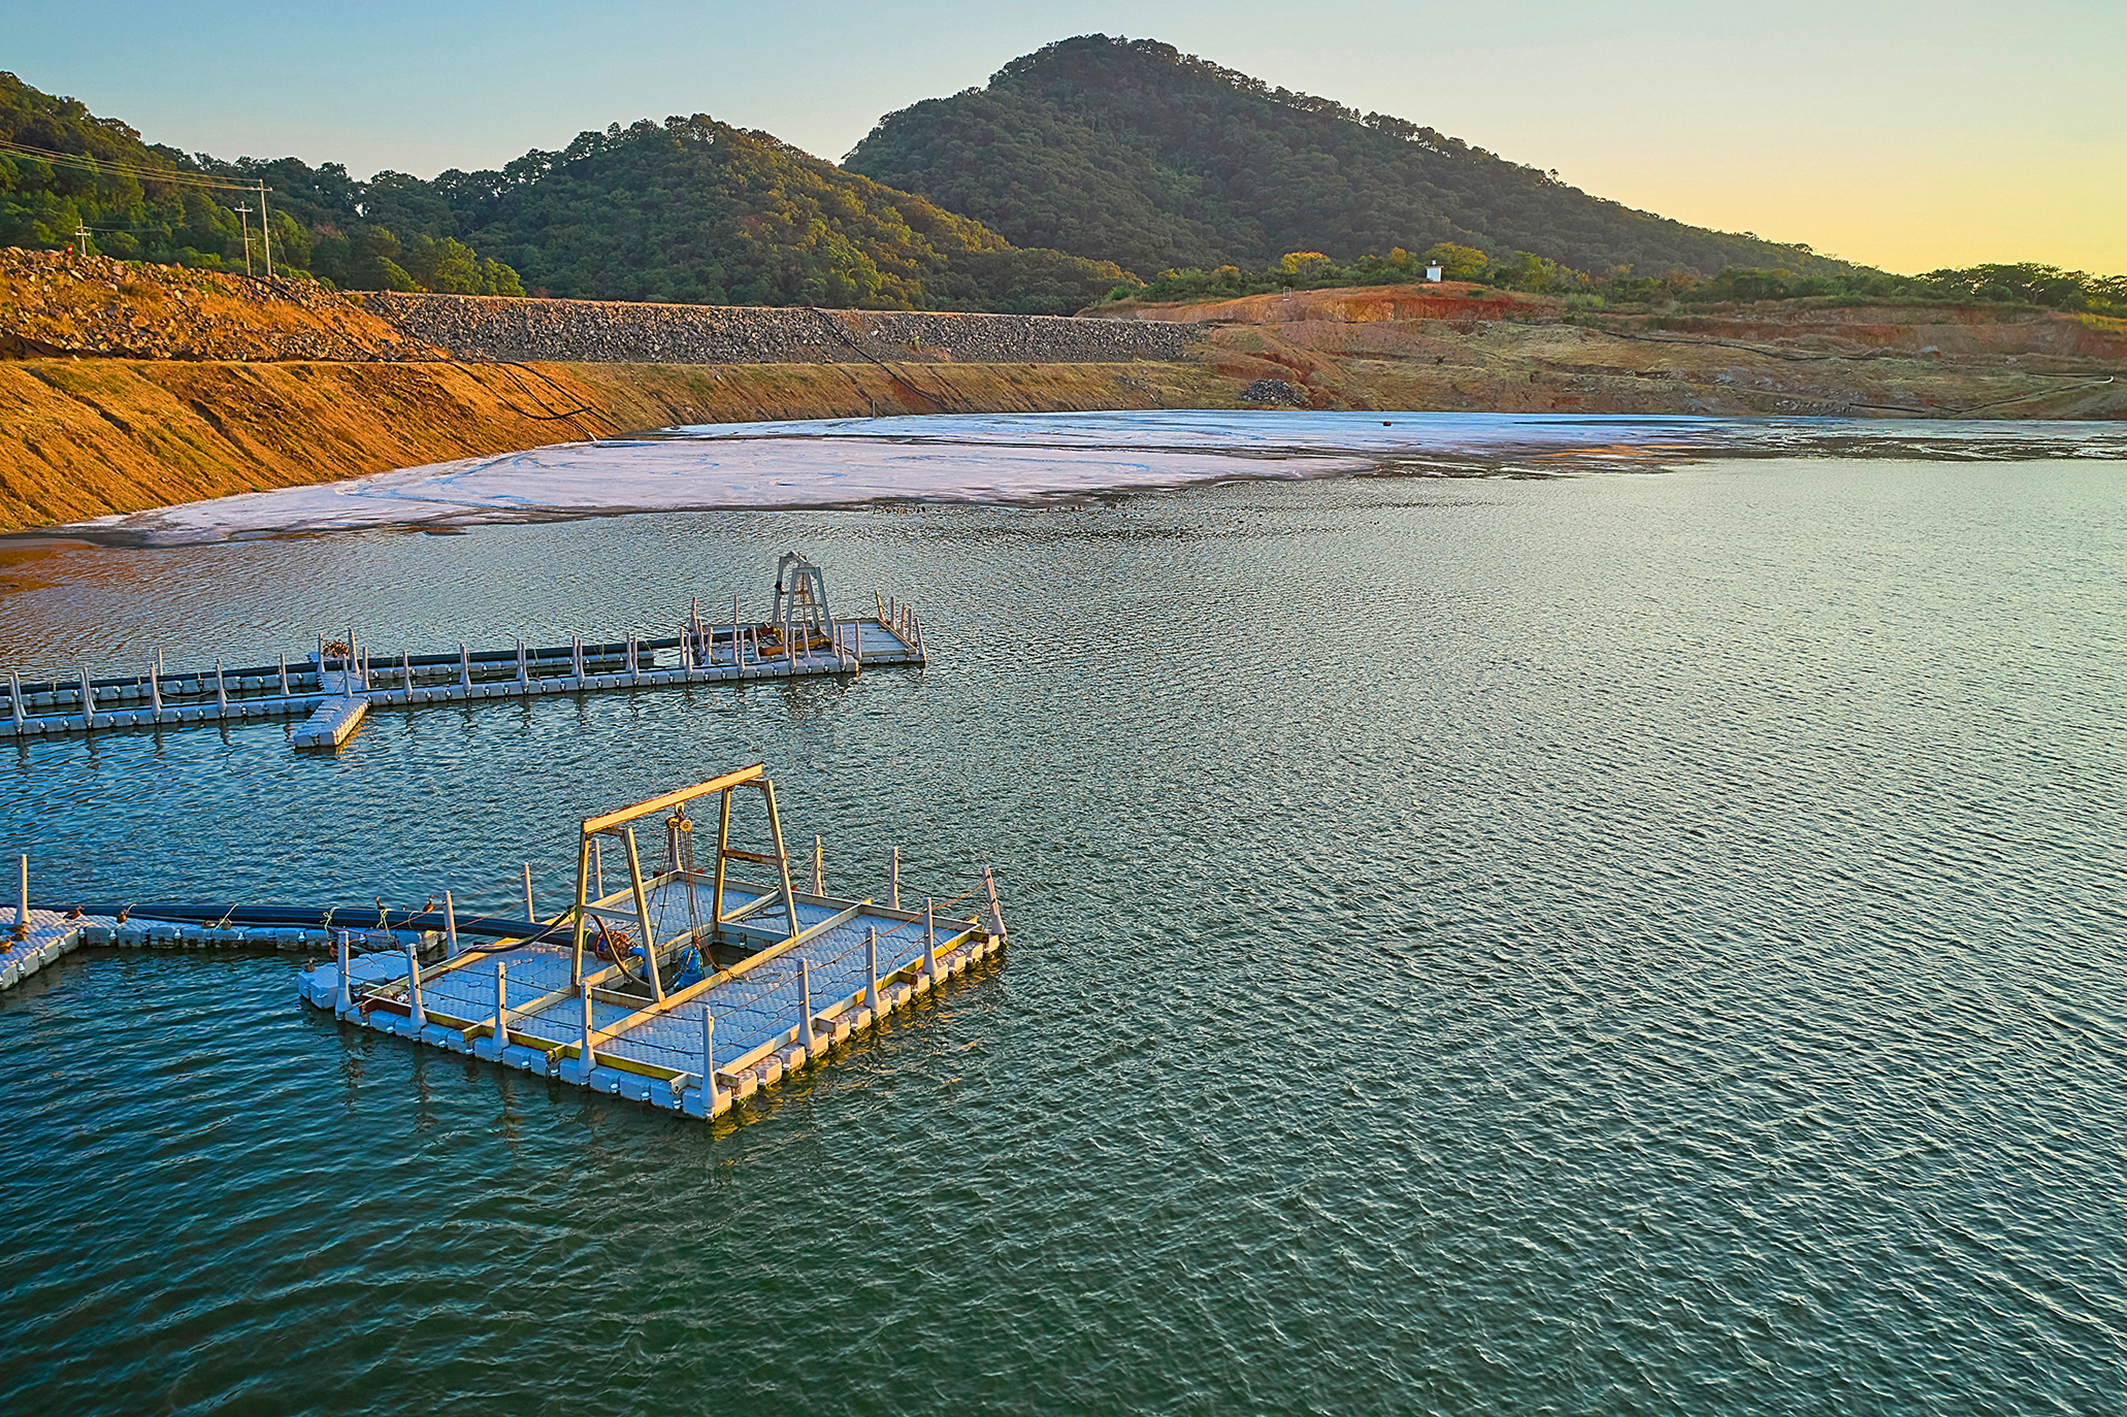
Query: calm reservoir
point(1651, 940)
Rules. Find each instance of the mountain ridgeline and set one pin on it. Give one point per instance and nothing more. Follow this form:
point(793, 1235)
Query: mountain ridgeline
point(690, 210)
point(1131, 151)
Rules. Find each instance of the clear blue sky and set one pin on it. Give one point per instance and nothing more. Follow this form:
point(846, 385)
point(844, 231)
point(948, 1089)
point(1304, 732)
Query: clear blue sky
point(1903, 134)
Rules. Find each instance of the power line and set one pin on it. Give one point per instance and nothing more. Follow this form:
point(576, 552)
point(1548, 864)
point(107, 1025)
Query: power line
point(120, 168)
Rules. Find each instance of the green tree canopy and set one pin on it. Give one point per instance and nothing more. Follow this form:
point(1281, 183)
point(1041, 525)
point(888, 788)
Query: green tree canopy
point(1131, 151)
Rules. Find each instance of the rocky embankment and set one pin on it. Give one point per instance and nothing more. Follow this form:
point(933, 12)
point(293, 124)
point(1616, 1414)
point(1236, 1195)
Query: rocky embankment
point(621, 332)
point(52, 305)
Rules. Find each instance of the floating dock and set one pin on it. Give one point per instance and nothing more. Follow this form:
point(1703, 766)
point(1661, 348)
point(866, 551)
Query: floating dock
point(688, 989)
point(335, 684)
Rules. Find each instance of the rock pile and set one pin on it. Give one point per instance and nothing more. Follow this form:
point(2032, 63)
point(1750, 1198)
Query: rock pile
point(53, 304)
point(617, 332)
point(1275, 391)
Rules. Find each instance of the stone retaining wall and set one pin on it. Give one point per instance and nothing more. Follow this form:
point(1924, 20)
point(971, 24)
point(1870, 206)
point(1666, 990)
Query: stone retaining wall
point(481, 327)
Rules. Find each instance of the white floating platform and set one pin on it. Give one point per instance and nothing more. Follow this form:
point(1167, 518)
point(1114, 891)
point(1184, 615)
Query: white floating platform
point(748, 1025)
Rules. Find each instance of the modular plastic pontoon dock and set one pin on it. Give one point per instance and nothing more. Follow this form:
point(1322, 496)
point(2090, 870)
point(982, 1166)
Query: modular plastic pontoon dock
point(687, 989)
point(337, 683)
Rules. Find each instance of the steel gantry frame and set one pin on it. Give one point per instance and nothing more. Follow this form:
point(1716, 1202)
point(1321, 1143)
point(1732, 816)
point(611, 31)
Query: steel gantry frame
point(631, 905)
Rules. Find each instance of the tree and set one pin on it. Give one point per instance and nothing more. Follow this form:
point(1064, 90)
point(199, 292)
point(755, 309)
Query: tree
point(1458, 262)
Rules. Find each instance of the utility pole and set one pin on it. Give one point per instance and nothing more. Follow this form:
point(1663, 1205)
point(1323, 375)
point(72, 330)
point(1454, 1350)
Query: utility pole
point(244, 211)
point(265, 239)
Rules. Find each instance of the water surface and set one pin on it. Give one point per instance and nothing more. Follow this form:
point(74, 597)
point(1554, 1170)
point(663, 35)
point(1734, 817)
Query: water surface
point(1626, 942)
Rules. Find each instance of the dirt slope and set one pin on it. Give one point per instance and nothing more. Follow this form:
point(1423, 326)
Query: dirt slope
point(85, 438)
point(1455, 346)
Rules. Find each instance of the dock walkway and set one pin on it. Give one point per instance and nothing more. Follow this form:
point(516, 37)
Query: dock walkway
point(334, 700)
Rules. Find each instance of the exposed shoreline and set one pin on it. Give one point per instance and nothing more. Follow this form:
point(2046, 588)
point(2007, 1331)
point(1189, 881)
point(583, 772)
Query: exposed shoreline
point(239, 386)
point(1044, 460)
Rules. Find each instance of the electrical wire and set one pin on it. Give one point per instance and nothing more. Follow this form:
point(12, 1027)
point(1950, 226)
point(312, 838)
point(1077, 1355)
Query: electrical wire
point(121, 168)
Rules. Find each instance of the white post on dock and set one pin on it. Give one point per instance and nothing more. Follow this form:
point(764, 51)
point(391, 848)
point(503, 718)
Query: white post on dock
point(576, 655)
point(465, 667)
point(154, 694)
point(345, 1003)
point(450, 927)
point(712, 1098)
point(871, 969)
point(88, 701)
point(528, 893)
point(598, 870)
point(930, 942)
point(805, 1039)
point(502, 1010)
point(701, 641)
point(406, 673)
point(14, 690)
point(897, 878)
point(735, 657)
point(414, 1011)
point(588, 1052)
point(819, 867)
point(524, 674)
point(284, 674)
point(989, 883)
point(221, 690)
point(22, 900)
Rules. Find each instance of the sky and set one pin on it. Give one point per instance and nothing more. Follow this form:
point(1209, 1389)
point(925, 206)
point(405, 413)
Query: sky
point(1903, 135)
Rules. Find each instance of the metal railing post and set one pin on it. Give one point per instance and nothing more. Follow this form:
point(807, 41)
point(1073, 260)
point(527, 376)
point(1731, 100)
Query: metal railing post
point(22, 900)
point(414, 1012)
point(871, 970)
point(712, 1096)
point(528, 894)
point(805, 1007)
point(345, 1004)
point(502, 1009)
point(588, 1053)
point(996, 911)
point(450, 927)
point(88, 701)
point(930, 942)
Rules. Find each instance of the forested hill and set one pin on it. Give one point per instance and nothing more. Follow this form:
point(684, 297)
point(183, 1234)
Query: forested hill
point(696, 210)
point(687, 210)
point(1130, 151)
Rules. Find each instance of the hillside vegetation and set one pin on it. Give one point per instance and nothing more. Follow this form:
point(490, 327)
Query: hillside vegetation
point(1131, 151)
point(688, 210)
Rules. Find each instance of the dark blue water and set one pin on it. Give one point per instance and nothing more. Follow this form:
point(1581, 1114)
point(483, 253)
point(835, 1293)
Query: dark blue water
point(1621, 943)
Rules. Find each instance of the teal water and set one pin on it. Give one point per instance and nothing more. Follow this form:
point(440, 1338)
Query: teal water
point(1631, 942)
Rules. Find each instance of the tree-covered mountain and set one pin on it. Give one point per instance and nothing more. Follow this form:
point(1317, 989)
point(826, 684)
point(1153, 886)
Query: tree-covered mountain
point(696, 210)
point(1131, 151)
point(688, 210)
point(70, 178)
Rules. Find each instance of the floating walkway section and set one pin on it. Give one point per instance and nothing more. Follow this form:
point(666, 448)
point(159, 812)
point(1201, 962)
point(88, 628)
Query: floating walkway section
point(687, 989)
point(335, 685)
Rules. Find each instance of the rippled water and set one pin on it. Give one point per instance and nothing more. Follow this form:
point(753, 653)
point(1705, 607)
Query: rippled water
point(1629, 942)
